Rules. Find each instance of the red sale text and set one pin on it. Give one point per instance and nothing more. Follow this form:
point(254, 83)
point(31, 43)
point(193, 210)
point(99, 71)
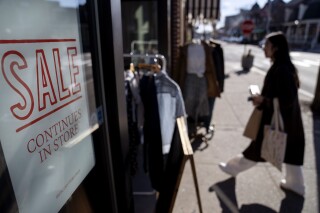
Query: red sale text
point(41, 77)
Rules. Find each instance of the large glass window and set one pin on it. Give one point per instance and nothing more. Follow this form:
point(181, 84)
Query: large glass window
point(47, 107)
point(140, 26)
point(312, 31)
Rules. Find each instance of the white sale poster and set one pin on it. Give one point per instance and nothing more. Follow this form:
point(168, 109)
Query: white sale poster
point(44, 116)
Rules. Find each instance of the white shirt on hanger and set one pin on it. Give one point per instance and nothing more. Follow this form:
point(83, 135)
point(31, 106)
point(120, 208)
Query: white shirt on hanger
point(196, 59)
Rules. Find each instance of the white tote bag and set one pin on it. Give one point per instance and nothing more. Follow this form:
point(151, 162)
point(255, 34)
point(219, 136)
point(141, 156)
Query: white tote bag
point(275, 139)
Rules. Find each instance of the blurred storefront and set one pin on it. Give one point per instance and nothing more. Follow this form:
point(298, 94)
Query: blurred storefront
point(302, 25)
point(298, 19)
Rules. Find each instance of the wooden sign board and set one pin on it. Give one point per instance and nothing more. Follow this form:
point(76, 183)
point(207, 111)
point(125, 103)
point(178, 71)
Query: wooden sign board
point(180, 152)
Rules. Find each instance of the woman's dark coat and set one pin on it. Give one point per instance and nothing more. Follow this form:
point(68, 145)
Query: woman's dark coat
point(280, 82)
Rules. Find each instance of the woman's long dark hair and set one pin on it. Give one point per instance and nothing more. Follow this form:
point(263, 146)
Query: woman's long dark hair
point(282, 53)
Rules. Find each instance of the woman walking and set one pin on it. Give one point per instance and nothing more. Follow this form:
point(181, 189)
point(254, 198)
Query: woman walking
point(281, 82)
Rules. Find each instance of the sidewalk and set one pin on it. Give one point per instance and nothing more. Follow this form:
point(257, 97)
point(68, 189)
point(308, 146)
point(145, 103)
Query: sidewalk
point(257, 189)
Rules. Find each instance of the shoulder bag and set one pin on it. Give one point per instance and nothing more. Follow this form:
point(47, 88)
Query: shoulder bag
point(253, 124)
point(274, 139)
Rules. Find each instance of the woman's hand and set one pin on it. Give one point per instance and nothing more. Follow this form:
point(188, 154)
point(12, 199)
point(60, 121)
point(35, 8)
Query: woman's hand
point(257, 100)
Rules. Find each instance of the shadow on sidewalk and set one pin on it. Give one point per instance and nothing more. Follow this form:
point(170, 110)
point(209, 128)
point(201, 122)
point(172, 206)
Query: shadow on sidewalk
point(291, 203)
point(240, 72)
point(226, 193)
point(198, 143)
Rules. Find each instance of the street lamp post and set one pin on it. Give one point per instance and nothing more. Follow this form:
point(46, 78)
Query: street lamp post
point(247, 59)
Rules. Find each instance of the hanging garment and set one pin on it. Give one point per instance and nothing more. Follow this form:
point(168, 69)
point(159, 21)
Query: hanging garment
point(195, 96)
point(179, 75)
point(218, 62)
point(195, 107)
point(133, 81)
point(153, 156)
point(196, 63)
point(195, 83)
point(132, 100)
point(218, 59)
point(171, 106)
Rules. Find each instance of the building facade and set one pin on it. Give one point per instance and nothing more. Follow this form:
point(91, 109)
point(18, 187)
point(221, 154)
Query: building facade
point(302, 24)
point(298, 19)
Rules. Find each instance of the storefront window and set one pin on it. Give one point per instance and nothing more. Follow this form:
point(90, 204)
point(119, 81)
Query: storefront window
point(300, 32)
point(140, 27)
point(312, 31)
point(318, 34)
point(47, 107)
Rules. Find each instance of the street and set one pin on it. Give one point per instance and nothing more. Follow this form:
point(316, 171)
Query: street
point(306, 63)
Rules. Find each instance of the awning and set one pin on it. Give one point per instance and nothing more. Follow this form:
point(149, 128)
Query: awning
point(208, 9)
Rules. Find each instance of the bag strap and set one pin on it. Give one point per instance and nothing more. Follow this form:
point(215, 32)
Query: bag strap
point(277, 119)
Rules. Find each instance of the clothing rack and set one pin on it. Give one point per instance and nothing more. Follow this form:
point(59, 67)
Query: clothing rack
point(152, 67)
point(146, 191)
point(157, 56)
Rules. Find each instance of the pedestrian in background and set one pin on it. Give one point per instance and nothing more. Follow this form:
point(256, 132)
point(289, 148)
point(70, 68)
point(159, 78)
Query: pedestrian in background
point(281, 82)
